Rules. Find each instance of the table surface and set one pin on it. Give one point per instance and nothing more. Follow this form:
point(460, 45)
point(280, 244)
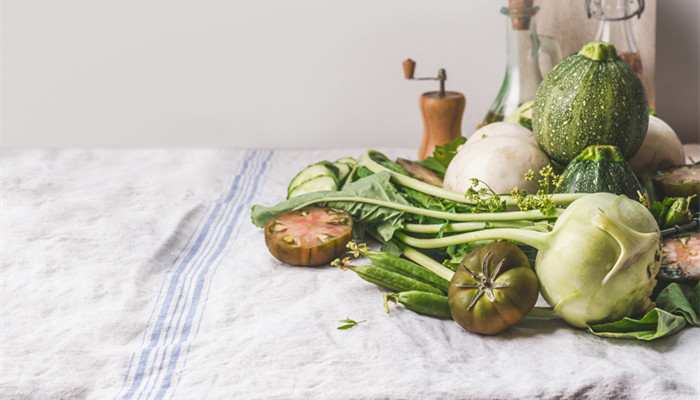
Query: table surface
point(137, 274)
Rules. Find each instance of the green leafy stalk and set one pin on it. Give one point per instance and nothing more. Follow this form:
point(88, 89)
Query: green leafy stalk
point(373, 200)
point(538, 240)
point(485, 217)
point(366, 160)
point(450, 227)
point(425, 261)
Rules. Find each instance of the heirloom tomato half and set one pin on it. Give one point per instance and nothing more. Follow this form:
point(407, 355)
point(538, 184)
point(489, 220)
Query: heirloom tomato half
point(309, 236)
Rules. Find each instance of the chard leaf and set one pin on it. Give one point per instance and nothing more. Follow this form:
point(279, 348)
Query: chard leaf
point(443, 155)
point(672, 314)
point(673, 300)
point(377, 186)
point(434, 165)
point(392, 248)
point(656, 324)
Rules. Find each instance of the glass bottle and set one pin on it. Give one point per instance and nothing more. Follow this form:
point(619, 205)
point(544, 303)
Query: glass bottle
point(615, 27)
point(523, 49)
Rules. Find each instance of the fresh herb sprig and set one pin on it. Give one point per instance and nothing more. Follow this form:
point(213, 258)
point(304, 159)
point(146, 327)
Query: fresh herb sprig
point(349, 323)
point(484, 198)
point(548, 183)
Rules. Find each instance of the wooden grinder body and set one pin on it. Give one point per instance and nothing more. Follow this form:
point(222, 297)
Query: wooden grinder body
point(442, 120)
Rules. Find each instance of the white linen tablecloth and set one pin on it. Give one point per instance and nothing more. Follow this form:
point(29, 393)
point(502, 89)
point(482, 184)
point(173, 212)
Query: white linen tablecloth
point(137, 274)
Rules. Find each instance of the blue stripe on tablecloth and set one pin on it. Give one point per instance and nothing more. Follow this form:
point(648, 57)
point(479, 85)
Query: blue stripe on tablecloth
point(183, 295)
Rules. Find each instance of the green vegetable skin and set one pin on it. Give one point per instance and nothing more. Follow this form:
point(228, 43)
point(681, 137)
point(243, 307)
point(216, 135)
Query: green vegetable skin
point(391, 280)
point(404, 267)
point(493, 289)
point(430, 304)
point(600, 169)
point(590, 98)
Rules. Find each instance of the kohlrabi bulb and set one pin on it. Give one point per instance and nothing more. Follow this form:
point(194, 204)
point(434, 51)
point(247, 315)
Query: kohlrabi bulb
point(601, 261)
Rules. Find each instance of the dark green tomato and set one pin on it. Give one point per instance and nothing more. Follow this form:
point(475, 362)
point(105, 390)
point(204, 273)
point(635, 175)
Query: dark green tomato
point(493, 288)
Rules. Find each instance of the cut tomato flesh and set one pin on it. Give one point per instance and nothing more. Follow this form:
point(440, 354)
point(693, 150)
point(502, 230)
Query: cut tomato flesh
point(309, 236)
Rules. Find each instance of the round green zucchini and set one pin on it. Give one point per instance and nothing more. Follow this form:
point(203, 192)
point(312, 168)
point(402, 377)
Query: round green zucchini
point(600, 169)
point(592, 97)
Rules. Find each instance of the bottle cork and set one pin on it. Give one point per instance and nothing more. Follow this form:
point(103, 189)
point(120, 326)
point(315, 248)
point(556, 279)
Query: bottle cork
point(520, 12)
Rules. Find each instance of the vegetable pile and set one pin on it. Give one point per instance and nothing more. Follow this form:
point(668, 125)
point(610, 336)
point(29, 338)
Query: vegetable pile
point(477, 232)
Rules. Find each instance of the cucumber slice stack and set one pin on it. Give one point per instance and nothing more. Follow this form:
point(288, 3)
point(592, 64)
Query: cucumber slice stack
point(324, 175)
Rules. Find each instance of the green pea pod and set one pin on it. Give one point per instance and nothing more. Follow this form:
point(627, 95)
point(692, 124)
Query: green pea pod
point(430, 304)
point(407, 268)
point(391, 280)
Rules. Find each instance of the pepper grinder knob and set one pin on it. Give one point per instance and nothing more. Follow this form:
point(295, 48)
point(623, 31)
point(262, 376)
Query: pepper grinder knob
point(409, 67)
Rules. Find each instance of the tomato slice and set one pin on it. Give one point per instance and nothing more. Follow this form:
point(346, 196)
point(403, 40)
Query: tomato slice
point(310, 236)
point(681, 181)
point(680, 261)
point(493, 288)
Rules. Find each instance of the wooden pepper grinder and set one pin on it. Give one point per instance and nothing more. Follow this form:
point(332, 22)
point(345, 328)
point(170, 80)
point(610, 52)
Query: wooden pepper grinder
point(442, 112)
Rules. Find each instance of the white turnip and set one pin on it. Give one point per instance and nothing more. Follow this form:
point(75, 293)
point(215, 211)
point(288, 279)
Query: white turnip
point(501, 162)
point(661, 149)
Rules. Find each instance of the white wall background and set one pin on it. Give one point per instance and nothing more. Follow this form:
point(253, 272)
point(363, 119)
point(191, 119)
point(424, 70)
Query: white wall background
point(264, 73)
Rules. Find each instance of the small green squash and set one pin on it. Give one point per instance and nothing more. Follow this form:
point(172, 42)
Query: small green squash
point(592, 97)
point(600, 169)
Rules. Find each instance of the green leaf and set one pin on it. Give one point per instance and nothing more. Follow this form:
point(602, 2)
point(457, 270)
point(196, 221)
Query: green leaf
point(392, 248)
point(442, 156)
point(445, 153)
point(655, 324)
point(434, 165)
point(672, 211)
point(349, 323)
point(673, 300)
point(672, 314)
point(378, 186)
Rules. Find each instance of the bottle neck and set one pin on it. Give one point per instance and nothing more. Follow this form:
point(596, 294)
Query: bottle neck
point(522, 60)
point(618, 33)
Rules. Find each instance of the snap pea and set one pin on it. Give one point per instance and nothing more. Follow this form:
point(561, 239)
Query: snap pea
point(405, 267)
point(391, 280)
point(430, 304)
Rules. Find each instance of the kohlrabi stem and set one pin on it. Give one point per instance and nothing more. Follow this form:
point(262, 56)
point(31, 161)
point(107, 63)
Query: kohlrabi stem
point(464, 226)
point(537, 240)
point(541, 313)
point(425, 261)
point(563, 199)
point(463, 217)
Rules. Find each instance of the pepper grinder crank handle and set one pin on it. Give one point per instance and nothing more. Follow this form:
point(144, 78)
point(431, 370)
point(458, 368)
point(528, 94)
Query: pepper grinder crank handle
point(442, 112)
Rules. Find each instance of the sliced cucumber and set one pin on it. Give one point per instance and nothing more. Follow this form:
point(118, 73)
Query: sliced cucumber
point(315, 185)
point(346, 160)
point(323, 168)
point(343, 171)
